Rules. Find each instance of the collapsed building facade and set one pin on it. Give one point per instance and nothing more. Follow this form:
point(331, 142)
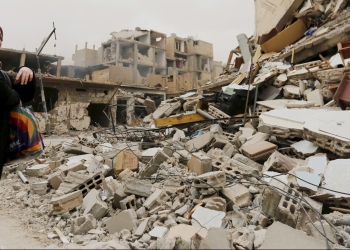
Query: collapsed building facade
point(257, 158)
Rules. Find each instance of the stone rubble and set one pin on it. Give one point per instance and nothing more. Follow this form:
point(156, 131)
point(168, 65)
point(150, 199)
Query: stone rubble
point(273, 175)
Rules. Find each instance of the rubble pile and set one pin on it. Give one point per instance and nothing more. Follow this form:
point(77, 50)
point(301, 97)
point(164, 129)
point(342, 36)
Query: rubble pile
point(262, 164)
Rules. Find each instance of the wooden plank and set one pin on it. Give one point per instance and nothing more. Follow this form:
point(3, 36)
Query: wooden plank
point(162, 122)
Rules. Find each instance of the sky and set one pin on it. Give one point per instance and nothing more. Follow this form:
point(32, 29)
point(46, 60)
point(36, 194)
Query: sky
point(28, 22)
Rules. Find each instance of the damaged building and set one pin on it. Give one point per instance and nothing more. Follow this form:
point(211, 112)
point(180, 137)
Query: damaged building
point(257, 158)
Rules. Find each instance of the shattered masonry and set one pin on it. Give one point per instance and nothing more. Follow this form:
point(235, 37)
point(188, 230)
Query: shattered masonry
point(258, 158)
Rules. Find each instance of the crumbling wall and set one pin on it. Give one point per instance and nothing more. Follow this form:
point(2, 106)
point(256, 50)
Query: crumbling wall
point(70, 110)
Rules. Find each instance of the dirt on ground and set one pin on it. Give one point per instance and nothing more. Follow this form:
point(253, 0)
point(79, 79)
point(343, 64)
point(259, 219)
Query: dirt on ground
point(14, 234)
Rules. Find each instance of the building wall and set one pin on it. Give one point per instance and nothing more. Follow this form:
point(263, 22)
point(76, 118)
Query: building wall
point(170, 46)
point(203, 48)
point(217, 69)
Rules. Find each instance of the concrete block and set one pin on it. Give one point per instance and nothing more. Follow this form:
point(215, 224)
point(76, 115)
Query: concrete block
point(236, 168)
point(219, 141)
point(56, 179)
point(154, 164)
point(126, 219)
point(67, 202)
point(218, 114)
point(40, 187)
point(38, 170)
point(316, 97)
point(230, 149)
point(278, 236)
point(215, 179)
point(216, 129)
point(279, 163)
point(118, 196)
point(243, 237)
point(238, 195)
point(271, 198)
point(126, 159)
point(200, 163)
point(75, 181)
point(288, 209)
point(199, 142)
point(83, 224)
point(303, 218)
point(128, 203)
point(126, 173)
point(92, 204)
point(137, 187)
point(151, 201)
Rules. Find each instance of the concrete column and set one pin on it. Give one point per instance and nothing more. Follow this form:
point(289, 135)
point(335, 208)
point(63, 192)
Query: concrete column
point(135, 62)
point(23, 59)
point(59, 65)
point(154, 60)
point(117, 52)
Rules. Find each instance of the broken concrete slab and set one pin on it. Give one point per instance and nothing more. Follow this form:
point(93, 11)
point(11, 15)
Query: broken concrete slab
point(126, 219)
point(289, 238)
point(158, 232)
point(279, 163)
point(200, 142)
point(243, 237)
point(304, 148)
point(67, 202)
point(208, 218)
point(137, 187)
point(217, 239)
point(316, 97)
point(142, 227)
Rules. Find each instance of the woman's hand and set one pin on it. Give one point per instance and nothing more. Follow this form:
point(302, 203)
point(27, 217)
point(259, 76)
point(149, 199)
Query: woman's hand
point(24, 75)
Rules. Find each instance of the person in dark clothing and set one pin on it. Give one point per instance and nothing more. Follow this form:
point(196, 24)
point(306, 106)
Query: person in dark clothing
point(21, 90)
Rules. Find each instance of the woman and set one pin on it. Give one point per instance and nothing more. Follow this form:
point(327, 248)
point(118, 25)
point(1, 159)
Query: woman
point(21, 90)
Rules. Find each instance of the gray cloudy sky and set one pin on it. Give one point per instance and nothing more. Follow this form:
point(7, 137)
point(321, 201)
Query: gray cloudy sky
point(27, 22)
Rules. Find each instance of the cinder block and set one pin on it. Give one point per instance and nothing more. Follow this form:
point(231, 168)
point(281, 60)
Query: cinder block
point(83, 224)
point(243, 238)
point(200, 163)
point(66, 202)
point(40, 187)
point(271, 198)
point(199, 142)
point(238, 195)
point(215, 179)
point(288, 209)
point(128, 203)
